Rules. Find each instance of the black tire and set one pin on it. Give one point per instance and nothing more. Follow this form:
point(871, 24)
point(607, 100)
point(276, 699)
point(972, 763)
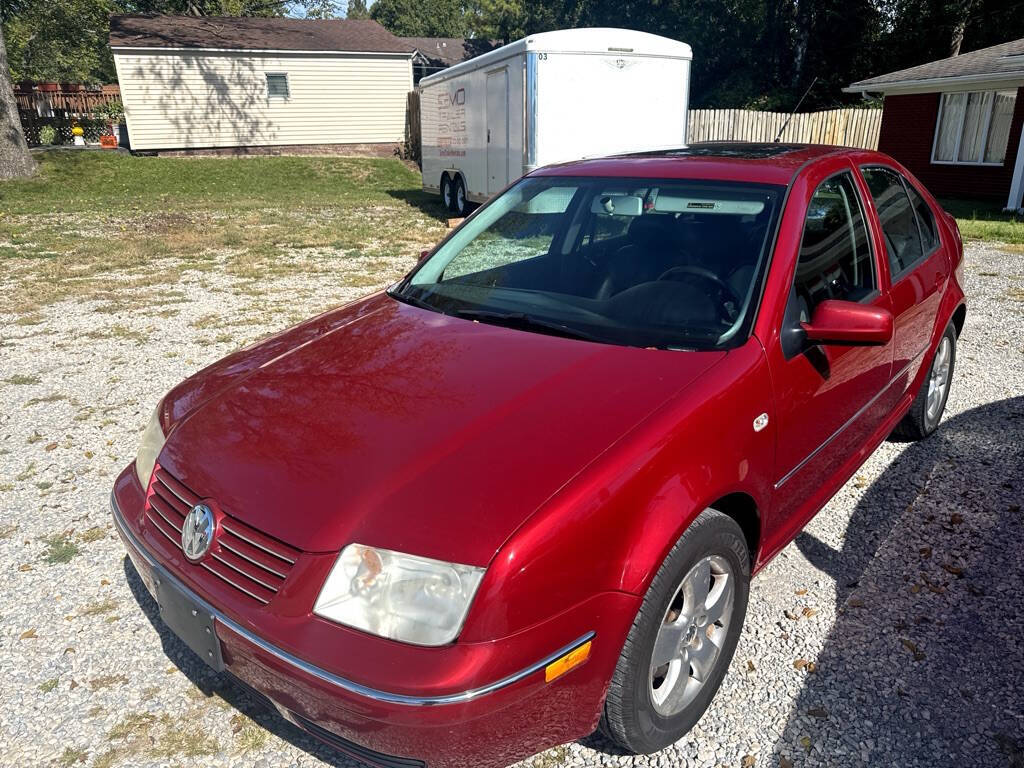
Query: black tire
point(630, 716)
point(447, 192)
point(917, 424)
point(460, 205)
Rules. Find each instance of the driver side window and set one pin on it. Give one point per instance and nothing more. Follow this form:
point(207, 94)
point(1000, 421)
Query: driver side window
point(835, 259)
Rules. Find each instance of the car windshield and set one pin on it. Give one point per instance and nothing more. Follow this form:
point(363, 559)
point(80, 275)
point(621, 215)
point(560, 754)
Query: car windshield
point(650, 263)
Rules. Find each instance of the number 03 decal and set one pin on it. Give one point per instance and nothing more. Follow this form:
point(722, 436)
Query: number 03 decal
point(542, 57)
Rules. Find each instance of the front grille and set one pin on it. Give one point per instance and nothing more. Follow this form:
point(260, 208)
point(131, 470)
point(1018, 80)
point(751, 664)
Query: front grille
point(251, 562)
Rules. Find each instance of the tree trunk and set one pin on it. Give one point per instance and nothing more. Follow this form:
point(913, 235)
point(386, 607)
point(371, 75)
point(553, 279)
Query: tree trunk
point(15, 160)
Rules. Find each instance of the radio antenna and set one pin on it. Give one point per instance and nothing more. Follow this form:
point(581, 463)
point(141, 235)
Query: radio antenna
point(786, 124)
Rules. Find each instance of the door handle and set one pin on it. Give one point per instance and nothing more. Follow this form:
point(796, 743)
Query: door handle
point(488, 135)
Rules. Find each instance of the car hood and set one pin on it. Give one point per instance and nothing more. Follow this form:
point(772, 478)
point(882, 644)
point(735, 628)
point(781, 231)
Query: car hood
point(398, 427)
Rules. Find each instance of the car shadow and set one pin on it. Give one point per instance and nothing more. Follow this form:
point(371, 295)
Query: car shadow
point(925, 662)
point(224, 687)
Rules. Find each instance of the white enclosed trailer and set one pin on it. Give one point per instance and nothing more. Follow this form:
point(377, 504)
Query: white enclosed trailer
point(549, 98)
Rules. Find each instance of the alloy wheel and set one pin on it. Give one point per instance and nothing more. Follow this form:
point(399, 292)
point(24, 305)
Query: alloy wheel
point(938, 381)
point(691, 636)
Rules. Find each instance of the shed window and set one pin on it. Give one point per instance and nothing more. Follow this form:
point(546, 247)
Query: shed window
point(277, 85)
point(973, 127)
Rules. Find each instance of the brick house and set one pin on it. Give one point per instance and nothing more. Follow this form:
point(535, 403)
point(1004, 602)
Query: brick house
point(958, 123)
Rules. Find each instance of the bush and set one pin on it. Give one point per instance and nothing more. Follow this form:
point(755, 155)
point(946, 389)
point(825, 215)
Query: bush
point(48, 135)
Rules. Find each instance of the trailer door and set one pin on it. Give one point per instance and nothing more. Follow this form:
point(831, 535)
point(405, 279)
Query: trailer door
point(497, 130)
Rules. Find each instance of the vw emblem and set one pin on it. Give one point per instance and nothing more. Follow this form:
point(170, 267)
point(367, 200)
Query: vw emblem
point(197, 532)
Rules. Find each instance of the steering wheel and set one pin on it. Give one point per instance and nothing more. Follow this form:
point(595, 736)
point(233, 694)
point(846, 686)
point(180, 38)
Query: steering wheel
point(728, 301)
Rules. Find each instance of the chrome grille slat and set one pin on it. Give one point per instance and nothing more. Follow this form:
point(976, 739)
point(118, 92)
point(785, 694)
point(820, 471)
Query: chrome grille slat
point(257, 545)
point(156, 525)
point(239, 587)
point(231, 549)
point(184, 501)
point(219, 559)
point(156, 509)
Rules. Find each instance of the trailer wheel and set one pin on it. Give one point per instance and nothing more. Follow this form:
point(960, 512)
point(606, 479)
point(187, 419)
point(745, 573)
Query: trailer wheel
point(459, 202)
point(447, 192)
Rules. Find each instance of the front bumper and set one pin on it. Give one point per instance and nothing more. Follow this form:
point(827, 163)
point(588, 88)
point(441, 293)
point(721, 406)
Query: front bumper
point(490, 722)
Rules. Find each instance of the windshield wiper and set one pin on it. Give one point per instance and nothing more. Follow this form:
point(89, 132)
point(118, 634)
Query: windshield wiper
point(526, 322)
point(413, 300)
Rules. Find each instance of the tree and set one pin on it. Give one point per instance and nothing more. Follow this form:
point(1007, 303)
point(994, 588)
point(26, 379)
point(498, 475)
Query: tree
point(357, 9)
point(421, 18)
point(502, 20)
point(15, 160)
point(64, 40)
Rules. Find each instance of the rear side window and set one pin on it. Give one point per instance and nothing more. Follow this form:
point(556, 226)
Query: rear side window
point(907, 222)
point(835, 255)
point(925, 218)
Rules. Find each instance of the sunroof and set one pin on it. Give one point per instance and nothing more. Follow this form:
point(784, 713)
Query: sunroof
point(724, 149)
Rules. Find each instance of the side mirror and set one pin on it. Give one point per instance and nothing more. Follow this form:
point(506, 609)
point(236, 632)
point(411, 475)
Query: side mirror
point(848, 323)
point(423, 255)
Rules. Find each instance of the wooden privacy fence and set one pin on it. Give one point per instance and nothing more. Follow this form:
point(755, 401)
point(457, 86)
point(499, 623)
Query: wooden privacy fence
point(846, 127)
point(62, 106)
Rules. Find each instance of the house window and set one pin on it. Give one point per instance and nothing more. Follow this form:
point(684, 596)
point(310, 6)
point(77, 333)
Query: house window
point(973, 127)
point(277, 85)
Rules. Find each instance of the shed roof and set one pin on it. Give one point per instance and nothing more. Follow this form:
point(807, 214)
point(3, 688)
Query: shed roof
point(248, 33)
point(998, 62)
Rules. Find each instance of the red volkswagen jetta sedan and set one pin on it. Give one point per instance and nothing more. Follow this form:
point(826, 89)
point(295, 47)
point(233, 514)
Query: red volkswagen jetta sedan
point(521, 494)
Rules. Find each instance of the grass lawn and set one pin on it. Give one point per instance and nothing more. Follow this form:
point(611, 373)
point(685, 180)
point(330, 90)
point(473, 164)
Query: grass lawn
point(986, 221)
point(89, 217)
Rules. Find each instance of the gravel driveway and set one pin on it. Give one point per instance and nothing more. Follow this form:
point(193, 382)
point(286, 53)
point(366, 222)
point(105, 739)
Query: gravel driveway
point(890, 633)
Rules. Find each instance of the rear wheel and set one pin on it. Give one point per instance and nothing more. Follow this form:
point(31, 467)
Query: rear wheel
point(447, 192)
point(682, 639)
point(926, 411)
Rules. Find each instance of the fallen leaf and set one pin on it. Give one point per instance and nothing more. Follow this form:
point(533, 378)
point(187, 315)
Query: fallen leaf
point(915, 588)
point(818, 712)
point(28, 634)
point(785, 762)
point(73, 684)
point(808, 612)
point(801, 592)
point(790, 615)
point(956, 570)
point(911, 646)
point(104, 582)
point(50, 447)
point(956, 518)
point(750, 666)
point(805, 742)
point(811, 666)
point(800, 663)
point(70, 649)
point(747, 761)
point(926, 552)
point(855, 602)
point(24, 567)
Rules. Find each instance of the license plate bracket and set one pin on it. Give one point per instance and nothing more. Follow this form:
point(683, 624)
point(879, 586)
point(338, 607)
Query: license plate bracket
point(190, 622)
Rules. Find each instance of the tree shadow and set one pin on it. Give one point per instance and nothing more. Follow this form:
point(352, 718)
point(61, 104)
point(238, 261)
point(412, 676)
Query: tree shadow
point(925, 662)
point(235, 693)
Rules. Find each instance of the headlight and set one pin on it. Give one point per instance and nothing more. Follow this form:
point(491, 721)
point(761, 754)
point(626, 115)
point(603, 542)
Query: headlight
point(152, 441)
point(401, 597)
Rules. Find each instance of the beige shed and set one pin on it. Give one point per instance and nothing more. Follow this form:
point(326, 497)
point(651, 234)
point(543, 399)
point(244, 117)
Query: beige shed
point(224, 82)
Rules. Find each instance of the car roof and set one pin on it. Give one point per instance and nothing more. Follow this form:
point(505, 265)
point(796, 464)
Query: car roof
point(765, 163)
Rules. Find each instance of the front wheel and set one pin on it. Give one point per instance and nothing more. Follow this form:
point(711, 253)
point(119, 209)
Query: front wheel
point(447, 192)
point(683, 637)
point(926, 411)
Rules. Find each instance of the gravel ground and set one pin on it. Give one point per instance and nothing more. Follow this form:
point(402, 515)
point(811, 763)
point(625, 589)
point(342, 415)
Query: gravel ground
point(890, 633)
